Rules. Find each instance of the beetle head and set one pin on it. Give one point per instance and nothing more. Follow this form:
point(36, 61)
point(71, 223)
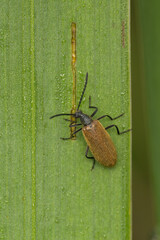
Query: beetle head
point(84, 118)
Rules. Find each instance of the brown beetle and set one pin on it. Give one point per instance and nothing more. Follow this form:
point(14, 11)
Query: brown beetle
point(98, 140)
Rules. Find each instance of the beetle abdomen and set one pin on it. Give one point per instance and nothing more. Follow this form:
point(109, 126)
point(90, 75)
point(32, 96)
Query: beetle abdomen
point(100, 143)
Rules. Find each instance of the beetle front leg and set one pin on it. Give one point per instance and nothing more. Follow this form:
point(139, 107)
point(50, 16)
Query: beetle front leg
point(90, 158)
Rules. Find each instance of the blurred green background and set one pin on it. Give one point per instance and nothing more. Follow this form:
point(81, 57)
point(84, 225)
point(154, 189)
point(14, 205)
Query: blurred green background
point(145, 19)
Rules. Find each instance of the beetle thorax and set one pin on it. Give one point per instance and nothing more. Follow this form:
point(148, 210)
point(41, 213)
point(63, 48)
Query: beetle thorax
point(84, 118)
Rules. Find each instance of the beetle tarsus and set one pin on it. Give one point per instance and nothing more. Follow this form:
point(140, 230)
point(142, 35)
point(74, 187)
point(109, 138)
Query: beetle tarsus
point(66, 138)
point(94, 161)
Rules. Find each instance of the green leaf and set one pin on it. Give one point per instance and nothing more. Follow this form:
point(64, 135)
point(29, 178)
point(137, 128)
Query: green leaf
point(48, 188)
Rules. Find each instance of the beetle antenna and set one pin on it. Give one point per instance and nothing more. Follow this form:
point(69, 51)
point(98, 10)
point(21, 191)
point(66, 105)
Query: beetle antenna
point(85, 85)
point(62, 114)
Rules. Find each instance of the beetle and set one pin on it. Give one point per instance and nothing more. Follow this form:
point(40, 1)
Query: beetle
point(98, 140)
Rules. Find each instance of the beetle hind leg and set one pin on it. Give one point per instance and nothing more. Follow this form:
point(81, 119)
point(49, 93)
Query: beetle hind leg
point(86, 154)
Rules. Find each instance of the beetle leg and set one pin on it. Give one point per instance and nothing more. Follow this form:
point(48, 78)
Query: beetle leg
point(110, 117)
point(69, 120)
point(75, 125)
point(96, 109)
point(72, 135)
point(119, 133)
point(94, 161)
point(90, 158)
